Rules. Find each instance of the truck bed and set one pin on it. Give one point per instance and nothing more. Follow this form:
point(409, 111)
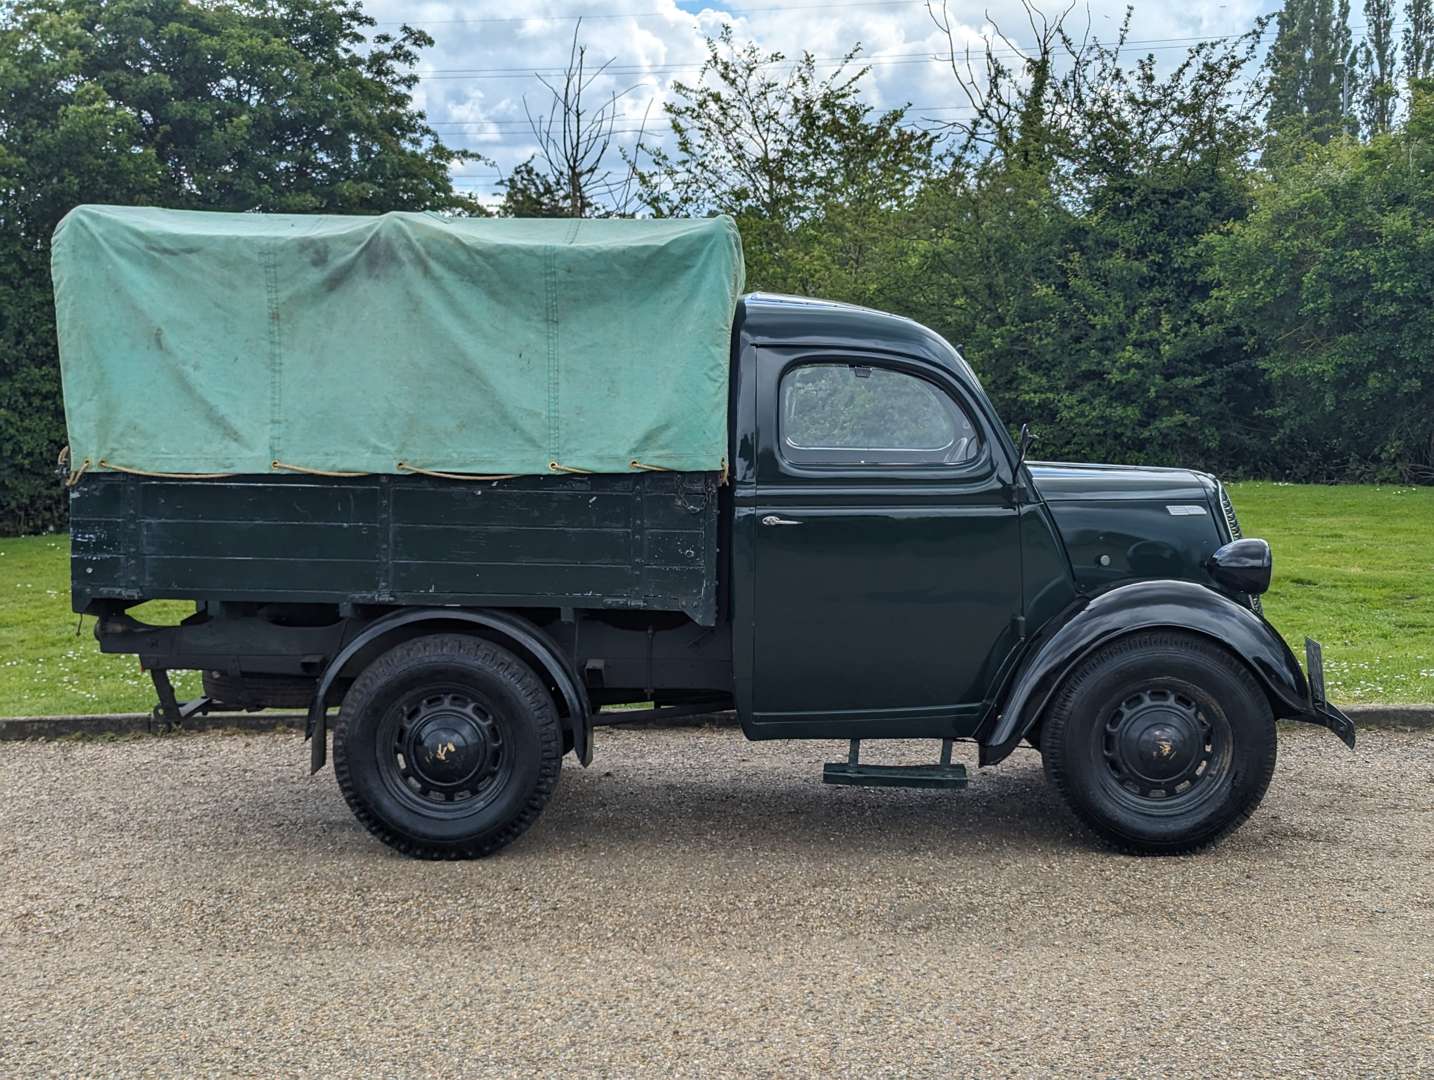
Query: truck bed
point(645, 541)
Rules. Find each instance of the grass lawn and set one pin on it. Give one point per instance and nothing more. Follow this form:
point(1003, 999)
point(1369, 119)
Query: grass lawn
point(1354, 567)
point(45, 669)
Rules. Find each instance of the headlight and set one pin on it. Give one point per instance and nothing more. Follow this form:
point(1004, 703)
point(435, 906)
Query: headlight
point(1242, 566)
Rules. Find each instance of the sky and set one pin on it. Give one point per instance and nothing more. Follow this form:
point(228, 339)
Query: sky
point(482, 67)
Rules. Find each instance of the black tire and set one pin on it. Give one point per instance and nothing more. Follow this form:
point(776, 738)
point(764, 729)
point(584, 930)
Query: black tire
point(1161, 742)
point(447, 747)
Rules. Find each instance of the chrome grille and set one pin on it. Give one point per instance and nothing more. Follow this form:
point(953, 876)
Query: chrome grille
point(1232, 523)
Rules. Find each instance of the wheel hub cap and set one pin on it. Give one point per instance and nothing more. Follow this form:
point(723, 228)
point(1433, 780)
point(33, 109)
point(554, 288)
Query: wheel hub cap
point(1158, 744)
point(1161, 746)
point(447, 752)
point(447, 746)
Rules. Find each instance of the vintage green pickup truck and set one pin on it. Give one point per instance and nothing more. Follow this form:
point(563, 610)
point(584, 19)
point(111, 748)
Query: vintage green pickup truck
point(870, 557)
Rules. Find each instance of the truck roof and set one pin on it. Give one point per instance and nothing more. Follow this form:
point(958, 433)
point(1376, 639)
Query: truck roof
point(775, 318)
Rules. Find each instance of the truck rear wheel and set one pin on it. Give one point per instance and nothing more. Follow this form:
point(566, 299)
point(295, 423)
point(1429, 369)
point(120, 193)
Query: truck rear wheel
point(447, 747)
point(1161, 742)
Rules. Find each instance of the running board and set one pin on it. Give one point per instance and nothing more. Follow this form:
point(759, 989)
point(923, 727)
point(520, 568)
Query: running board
point(941, 775)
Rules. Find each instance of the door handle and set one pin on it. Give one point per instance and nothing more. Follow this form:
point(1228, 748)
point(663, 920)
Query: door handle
point(773, 519)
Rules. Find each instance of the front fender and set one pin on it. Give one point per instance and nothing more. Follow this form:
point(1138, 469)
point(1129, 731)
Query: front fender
point(1143, 605)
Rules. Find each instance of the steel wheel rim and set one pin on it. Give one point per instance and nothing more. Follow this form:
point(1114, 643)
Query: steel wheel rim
point(444, 751)
point(1164, 749)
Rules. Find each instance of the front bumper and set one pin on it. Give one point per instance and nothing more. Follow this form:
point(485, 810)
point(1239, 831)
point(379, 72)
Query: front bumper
point(1320, 711)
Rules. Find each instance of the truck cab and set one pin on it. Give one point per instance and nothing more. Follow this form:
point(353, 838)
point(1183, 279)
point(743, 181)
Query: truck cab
point(878, 534)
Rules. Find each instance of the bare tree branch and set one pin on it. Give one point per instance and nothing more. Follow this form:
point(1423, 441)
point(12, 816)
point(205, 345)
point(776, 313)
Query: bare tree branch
point(574, 140)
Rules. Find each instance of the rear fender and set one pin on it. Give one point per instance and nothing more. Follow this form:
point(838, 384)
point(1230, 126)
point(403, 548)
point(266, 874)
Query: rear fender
point(1144, 605)
point(510, 631)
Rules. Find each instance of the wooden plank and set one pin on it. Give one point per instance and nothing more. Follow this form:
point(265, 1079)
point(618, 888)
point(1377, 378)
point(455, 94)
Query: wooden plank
point(628, 541)
point(677, 548)
point(462, 503)
point(278, 500)
point(260, 540)
point(496, 544)
point(264, 578)
point(545, 583)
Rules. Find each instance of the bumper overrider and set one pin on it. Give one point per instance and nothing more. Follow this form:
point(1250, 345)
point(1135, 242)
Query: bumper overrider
point(1320, 710)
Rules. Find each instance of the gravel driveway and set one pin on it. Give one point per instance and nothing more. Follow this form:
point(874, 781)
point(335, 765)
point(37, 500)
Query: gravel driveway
point(698, 905)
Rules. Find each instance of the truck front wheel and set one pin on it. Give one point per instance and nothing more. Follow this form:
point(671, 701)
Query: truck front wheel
point(1161, 742)
point(447, 747)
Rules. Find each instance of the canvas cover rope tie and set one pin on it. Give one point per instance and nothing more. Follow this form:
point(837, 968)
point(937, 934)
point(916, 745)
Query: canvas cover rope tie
point(162, 475)
point(313, 472)
point(404, 466)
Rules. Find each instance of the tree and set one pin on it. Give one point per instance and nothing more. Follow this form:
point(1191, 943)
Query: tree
point(275, 105)
point(570, 175)
point(532, 193)
point(1017, 105)
point(1328, 279)
point(1060, 247)
point(1312, 71)
point(1378, 89)
point(810, 172)
point(1419, 39)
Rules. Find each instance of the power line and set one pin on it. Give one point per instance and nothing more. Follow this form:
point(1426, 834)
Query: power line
point(874, 60)
point(511, 127)
point(678, 70)
point(656, 130)
point(649, 131)
point(858, 59)
point(650, 14)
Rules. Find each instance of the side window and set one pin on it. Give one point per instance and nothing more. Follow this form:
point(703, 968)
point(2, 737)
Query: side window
point(854, 414)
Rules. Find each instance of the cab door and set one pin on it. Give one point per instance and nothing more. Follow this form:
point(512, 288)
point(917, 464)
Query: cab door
point(886, 560)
